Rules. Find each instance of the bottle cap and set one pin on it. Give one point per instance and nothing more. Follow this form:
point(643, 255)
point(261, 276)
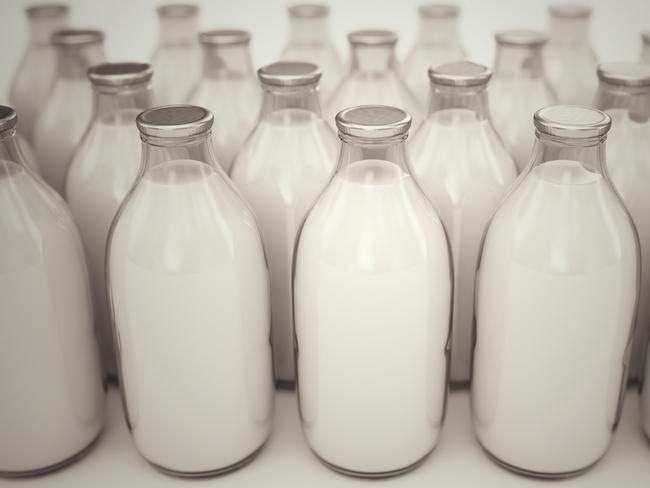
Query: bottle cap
point(47, 11)
point(77, 37)
point(625, 74)
point(8, 118)
point(119, 74)
point(373, 37)
point(174, 121)
point(570, 11)
point(572, 121)
point(373, 121)
point(460, 74)
point(224, 37)
point(178, 10)
point(289, 73)
point(439, 11)
point(308, 11)
point(520, 37)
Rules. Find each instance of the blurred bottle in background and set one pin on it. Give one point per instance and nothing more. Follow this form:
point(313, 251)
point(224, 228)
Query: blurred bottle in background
point(518, 89)
point(309, 41)
point(438, 42)
point(68, 109)
point(568, 57)
point(645, 47)
point(177, 59)
point(229, 88)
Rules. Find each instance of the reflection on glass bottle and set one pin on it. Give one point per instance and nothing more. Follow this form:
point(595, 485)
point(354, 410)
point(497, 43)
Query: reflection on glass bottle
point(372, 283)
point(309, 41)
point(373, 77)
point(281, 170)
point(624, 92)
point(229, 88)
point(568, 57)
point(36, 70)
point(65, 116)
point(177, 59)
point(438, 42)
point(645, 48)
point(189, 291)
point(52, 402)
point(557, 290)
point(518, 89)
point(102, 172)
point(464, 169)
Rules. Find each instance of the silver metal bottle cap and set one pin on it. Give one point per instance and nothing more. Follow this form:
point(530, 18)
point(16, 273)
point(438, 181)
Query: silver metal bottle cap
point(570, 11)
point(373, 121)
point(373, 37)
point(308, 11)
point(119, 74)
point(460, 74)
point(439, 11)
point(8, 118)
point(174, 121)
point(224, 37)
point(521, 37)
point(47, 11)
point(77, 37)
point(572, 121)
point(625, 74)
point(289, 73)
point(178, 10)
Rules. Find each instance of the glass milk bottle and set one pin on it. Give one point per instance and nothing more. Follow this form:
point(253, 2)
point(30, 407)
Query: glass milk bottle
point(52, 402)
point(309, 41)
point(624, 93)
point(645, 48)
point(189, 290)
point(569, 58)
point(230, 88)
point(36, 70)
point(556, 295)
point(102, 172)
point(438, 42)
point(519, 88)
point(373, 76)
point(464, 169)
point(281, 170)
point(372, 284)
point(68, 109)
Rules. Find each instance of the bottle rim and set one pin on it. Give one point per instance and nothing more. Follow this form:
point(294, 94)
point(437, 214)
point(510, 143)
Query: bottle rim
point(224, 37)
point(308, 11)
point(122, 74)
point(521, 37)
point(439, 11)
point(570, 11)
point(572, 121)
point(373, 37)
point(174, 121)
point(178, 10)
point(373, 122)
point(289, 73)
point(47, 11)
point(460, 74)
point(625, 74)
point(77, 37)
point(8, 118)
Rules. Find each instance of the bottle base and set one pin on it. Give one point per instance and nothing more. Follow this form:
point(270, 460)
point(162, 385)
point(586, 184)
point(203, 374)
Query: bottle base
point(54, 467)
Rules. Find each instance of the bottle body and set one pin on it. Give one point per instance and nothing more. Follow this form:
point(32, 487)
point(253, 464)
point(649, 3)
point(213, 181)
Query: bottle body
point(645, 395)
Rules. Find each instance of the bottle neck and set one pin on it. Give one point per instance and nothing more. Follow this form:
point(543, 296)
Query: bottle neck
point(9, 150)
point(472, 98)
point(569, 32)
point(119, 106)
point(73, 62)
point(41, 29)
point(634, 100)
point(518, 61)
point(372, 59)
point(308, 31)
point(178, 31)
point(355, 149)
point(156, 150)
point(438, 32)
point(301, 97)
point(589, 152)
point(226, 61)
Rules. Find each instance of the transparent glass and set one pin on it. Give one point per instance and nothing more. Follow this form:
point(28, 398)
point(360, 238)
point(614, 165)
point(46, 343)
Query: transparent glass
point(517, 90)
point(67, 112)
point(36, 71)
point(372, 296)
point(102, 171)
point(438, 42)
point(570, 61)
point(645, 395)
point(557, 286)
point(309, 41)
point(177, 60)
point(281, 170)
point(628, 164)
point(189, 291)
point(645, 48)
point(52, 403)
point(230, 89)
point(464, 169)
point(373, 80)
point(28, 154)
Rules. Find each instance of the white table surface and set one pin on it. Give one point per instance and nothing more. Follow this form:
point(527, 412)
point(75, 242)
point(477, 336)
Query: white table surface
point(286, 461)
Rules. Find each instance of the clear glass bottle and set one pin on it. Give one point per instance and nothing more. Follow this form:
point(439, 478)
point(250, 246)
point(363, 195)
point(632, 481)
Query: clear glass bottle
point(52, 402)
point(438, 42)
point(568, 57)
point(464, 169)
point(557, 290)
point(228, 87)
point(373, 77)
point(309, 41)
point(177, 59)
point(518, 89)
point(645, 47)
point(64, 118)
point(281, 170)
point(372, 296)
point(645, 394)
point(624, 93)
point(33, 78)
point(189, 290)
point(102, 171)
